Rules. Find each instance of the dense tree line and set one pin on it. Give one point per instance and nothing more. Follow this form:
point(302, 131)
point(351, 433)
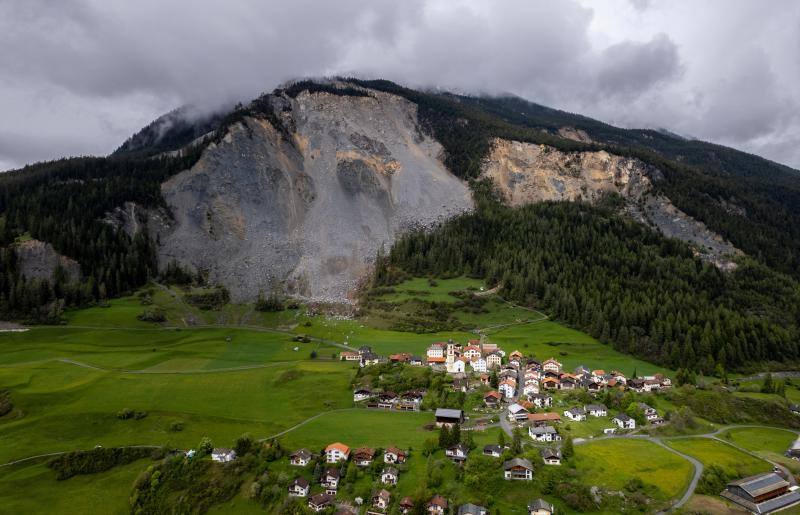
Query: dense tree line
point(616, 279)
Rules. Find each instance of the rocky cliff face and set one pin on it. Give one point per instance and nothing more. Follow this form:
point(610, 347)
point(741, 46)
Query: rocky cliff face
point(524, 173)
point(307, 213)
point(39, 260)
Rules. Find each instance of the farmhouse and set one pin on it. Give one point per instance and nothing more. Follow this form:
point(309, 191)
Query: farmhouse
point(551, 456)
point(518, 468)
point(363, 456)
point(300, 458)
point(472, 509)
point(575, 414)
point(540, 507)
point(437, 505)
point(415, 361)
point(401, 357)
point(449, 417)
point(492, 450)
point(320, 501)
point(550, 383)
point(361, 394)
point(223, 455)
point(389, 476)
point(369, 358)
point(596, 410)
point(568, 382)
point(517, 413)
point(544, 433)
point(458, 453)
point(394, 455)
point(337, 452)
point(299, 487)
point(624, 421)
point(762, 493)
point(492, 399)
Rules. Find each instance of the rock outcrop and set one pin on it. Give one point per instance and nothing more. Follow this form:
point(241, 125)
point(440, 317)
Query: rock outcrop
point(39, 260)
point(306, 214)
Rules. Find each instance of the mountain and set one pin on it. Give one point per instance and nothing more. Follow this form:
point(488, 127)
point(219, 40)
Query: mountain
point(297, 192)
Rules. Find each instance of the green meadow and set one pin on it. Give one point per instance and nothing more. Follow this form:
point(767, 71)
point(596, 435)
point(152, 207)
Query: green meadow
point(713, 452)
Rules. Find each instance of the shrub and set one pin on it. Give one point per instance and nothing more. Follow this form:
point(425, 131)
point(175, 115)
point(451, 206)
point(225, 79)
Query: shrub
point(97, 460)
point(176, 426)
point(5, 403)
point(156, 315)
point(208, 299)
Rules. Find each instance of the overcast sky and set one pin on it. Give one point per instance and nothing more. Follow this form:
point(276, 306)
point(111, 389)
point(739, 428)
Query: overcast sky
point(79, 76)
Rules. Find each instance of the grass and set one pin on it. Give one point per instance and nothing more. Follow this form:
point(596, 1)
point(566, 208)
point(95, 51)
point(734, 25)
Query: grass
point(766, 442)
point(611, 463)
point(439, 291)
point(713, 452)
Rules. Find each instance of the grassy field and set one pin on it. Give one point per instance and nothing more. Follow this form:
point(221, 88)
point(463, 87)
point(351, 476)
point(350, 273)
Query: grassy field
point(767, 442)
point(611, 463)
point(712, 452)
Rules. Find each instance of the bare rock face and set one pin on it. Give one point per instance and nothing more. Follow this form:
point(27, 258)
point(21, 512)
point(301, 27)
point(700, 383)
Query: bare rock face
point(39, 260)
point(307, 216)
point(525, 173)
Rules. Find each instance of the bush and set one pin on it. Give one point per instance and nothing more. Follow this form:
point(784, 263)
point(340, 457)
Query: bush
point(127, 413)
point(156, 315)
point(272, 303)
point(713, 480)
point(208, 299)
point(176, 426)
point(5, 403)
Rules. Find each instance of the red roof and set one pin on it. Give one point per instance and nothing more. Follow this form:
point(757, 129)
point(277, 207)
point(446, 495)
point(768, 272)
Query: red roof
point(436, 359)
point(541, 417)
point(338, 446)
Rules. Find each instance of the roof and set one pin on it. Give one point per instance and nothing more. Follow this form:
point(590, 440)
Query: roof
point(492, 448)
point(471, 509)
point(760, 484)
point(395, 450)
point(436, 359)
point(438, 500)
point(516, 408)
point(543, 430)
point(338, 446)
point(548, 453)
point(322, 498)
point(540, 504)
point(333, 473)
point(539, 417)
point(407, 501)
point(221, 450)
point(383, 493)
point(623, 417)
point(390, 470)
point(301, 453)
point(448, 413)
point(300, 481)
point(577, 411)
point(492, 394)
point(518, 462)
point(365, 451)
point(596, 407)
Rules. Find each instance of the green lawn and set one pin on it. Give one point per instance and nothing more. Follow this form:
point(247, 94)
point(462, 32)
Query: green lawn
point(767, 442)
point(712, 452)
point(611, 463)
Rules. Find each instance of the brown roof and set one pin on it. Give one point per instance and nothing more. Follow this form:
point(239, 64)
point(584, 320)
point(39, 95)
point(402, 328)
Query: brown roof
point(438, 500)
point(492, 394)
point(364, 452)
point(541, 417)
point(436, 359)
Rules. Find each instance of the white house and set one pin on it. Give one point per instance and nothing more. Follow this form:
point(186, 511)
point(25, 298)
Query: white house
point(649, 412)
point(575, 414)
point(518, 468)
point(223, 455)
point(508, 388)
point(389, 476)
point(472, 351)
point(337, 452)
point(596, 410)
point(299, 487)
point(456, 367)
point(541, 401)
point(492, 450)
point(300, 458)
point(531, 387)
point(457, 452)
point(551, 365)
point(319, 502)
point(478, 365)
point(330, 479)
point(544, 434)
point(494, 360)
point(540, 507)
point(517, 413)
point(394, 455)
point(551, 456)
point(624, 421)
point(361, 394)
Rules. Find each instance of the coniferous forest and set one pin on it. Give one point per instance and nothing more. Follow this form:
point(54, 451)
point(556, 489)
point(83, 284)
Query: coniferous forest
point(615, 279)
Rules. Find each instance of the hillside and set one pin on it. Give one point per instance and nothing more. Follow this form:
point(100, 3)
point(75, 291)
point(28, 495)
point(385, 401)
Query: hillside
point(296, 193)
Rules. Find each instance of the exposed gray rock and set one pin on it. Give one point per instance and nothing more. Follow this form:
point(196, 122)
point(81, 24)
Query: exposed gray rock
point(307, 216)
point(39, 260)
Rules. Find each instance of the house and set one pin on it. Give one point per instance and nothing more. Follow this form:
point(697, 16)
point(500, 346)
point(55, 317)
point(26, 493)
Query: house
point(649, 413)
point(369, 358)
point(596, 410)
point(637, 384)
point(609, 430)
point(540, 507)
point(551, 456)
point(487, 347)
point(365, 349)
point(493, 360)
point(458, 366)
point(320, 501)
point(543, 418)
point(349, 356)
point(599, 373)
point(531, 387)
point(518, 468)
point(544, 433)
point(415, 361)
point(389, 476)
point(762, 493)
point(401, 357)
point(515, 355)
point(394, 455)
point(575, 414)
point(517, 413)
point(495, 451)
point(472, 351)
point(363, 456)
point(551, 365)
point(794, 450)
point(361, 394)
point(436, 351)
point(594, 387)
point(623, 421)
point(485, 379)
point(437, 505)
point(406, 505)
point(541, 401)
point(299, 487)
point(508, 387)
point(381, 499)
point(478, 365)
point(472, 509)
point(223, 455)
point(568, 382)
point(492, 399)
point(449, 417)
point(300, 458)
point(337, 452)
point(330, 479)
point(550, 383)
point(458, 453)
point(581, 370)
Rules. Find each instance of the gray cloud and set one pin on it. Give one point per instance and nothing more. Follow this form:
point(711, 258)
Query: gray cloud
point(79, 76)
